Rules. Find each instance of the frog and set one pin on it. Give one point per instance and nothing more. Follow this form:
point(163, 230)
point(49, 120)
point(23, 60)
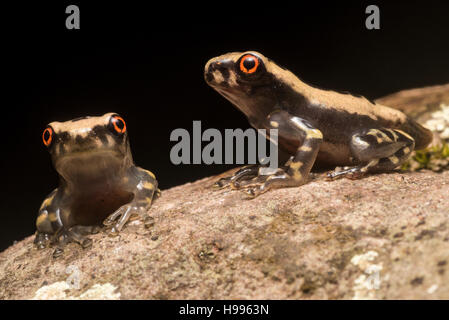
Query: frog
point(99, 184)
point(316, 127)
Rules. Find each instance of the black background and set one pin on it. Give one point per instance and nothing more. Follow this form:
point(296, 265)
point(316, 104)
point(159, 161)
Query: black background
point(146, 63)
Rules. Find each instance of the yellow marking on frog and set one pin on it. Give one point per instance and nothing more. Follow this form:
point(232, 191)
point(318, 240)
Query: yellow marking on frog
point(47, 201)
point(380, 136)
point(394, 159)
point(297, 175)
point(151, 174)
point(52, 217)
point(305, 148)
point(41, 218)
point(395, 136)
point(314, 134)
point(405, 134)
point(296, 165)
point(148, 199)
point(148, 185)
point(372, 163)
point(406, 150)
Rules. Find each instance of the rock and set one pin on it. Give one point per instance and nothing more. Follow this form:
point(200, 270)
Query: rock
point(384, 237)
point(419, 103)
point(429, 106)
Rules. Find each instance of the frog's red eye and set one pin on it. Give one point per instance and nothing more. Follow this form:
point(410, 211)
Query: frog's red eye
point(249, 63)
point(47, 136)
point(118, 124)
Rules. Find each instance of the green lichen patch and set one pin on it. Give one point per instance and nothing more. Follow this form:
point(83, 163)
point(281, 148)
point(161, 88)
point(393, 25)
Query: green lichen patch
point(435, 158)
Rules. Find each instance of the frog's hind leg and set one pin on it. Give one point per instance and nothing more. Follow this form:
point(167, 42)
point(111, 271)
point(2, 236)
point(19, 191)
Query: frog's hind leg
point(52, 231)
point(377, 150)
point(45, 222)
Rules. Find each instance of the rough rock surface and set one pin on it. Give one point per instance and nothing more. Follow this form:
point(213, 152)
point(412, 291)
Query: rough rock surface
point(382, 237)
point(418, 103)
point(385, 237)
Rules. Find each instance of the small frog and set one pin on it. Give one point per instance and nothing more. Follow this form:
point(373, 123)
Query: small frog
point(314, 125)
point(98, 181)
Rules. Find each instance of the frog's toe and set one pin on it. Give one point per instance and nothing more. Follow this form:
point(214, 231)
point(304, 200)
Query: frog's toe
point(42, 240)
point(85, 230)
point(148, 221)
point(253, 192)
point(246, 173)
point(65, 236)
point(223, 182)
point(111, 219)
point(120, 217)
point(252, 183)
point(350, 173)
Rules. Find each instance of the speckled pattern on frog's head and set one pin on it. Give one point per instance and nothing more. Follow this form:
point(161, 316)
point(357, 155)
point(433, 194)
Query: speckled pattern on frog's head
point(88, 143)
point(249, 80)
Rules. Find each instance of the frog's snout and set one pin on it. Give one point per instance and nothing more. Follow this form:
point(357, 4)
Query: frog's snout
point(217, 71)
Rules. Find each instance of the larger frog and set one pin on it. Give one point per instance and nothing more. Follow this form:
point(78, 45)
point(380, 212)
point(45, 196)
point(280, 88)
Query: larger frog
point(314, 125)
point(98, 181)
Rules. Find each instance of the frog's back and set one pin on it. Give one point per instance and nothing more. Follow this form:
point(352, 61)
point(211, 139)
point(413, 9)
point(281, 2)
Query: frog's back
point(379, 115)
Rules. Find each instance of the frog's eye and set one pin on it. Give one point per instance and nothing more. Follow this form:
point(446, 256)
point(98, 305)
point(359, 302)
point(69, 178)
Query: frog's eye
point(47, 136)
point(249, 63)
point(117, 124)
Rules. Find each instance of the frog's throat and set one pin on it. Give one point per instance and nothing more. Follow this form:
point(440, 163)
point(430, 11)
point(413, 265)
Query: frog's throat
point(91, 166)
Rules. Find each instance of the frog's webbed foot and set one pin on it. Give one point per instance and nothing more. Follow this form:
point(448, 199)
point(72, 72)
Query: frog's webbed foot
point(74, 234)
point(120, 217)
point(136, 209)
point(146, 191)
point(262, 175)
point(42, 240)
point(282, 178)
point(248, 183)
point(245, 173)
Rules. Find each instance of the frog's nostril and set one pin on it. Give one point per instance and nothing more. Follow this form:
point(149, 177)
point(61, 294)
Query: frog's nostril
point(217, 71)
point(212, 67)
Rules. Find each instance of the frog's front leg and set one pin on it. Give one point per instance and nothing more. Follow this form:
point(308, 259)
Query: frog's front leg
point(144, 186)
point(377, 150)
point(245, 173)
point(296, 170)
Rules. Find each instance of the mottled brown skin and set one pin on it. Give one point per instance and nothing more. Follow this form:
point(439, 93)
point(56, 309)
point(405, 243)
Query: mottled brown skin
point(98, 181)
point(314, 125)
